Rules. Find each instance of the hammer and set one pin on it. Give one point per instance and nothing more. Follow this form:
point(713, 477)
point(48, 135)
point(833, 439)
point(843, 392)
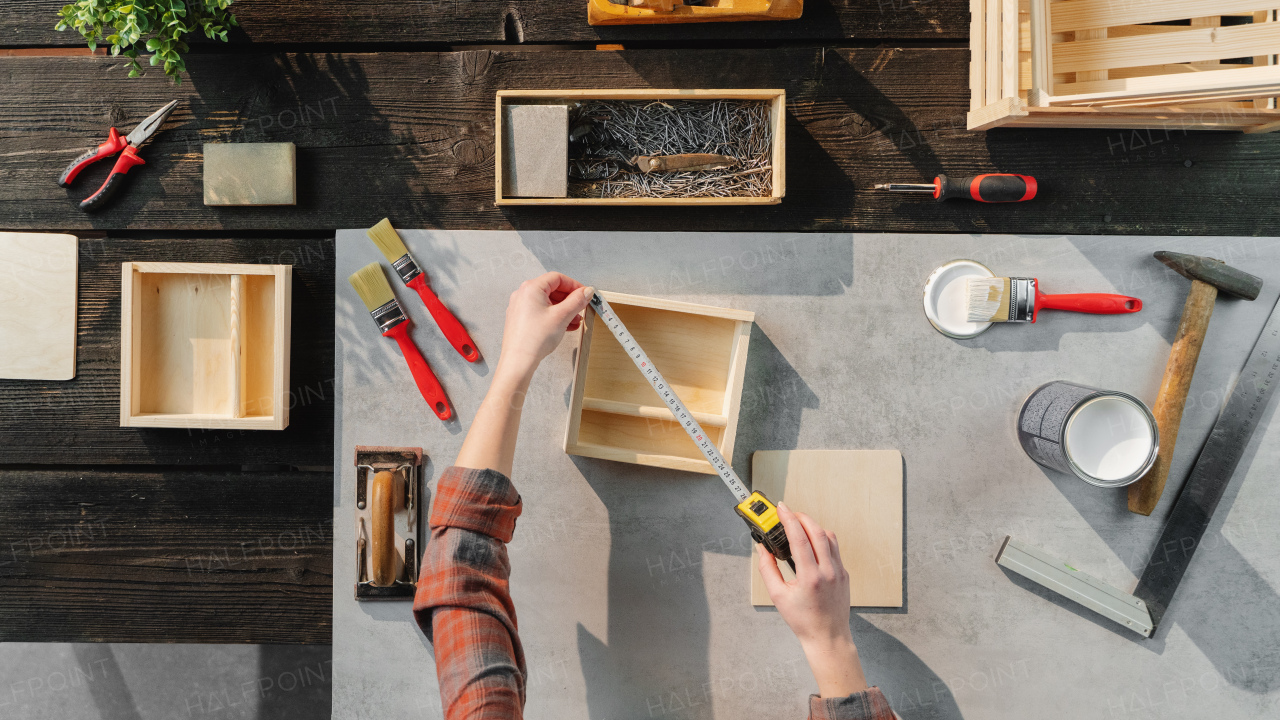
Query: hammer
point(1208, 278)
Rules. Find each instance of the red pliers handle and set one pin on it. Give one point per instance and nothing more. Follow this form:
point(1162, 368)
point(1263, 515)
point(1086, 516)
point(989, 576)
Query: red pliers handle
point(128, 158)
point(127, 146)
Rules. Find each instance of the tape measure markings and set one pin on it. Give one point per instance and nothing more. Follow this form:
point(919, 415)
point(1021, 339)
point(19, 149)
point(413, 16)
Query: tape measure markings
point(677, 407)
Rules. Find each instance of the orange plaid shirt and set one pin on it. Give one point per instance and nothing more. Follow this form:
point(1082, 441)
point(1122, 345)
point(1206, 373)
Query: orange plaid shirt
point(464, 606)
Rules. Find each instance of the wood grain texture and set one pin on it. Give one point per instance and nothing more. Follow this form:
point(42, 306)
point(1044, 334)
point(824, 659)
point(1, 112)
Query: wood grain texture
point(77, 422)
point(1145, 494)
point(30, 23)
point(177, 556)
point(382, 550)
point(857, 494)
point(701, 351)
point(414, 131)
point(200, 349)
point(38, 306)
point(1080, 14)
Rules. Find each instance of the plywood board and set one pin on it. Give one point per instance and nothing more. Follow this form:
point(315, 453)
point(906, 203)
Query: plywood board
point(38, 306)
point(855, 493)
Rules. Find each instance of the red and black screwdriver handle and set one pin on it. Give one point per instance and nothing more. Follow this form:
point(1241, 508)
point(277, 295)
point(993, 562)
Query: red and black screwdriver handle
point(989, 188)
point(128, 158)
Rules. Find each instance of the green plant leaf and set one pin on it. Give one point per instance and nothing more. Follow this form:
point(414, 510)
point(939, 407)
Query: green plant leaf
point(157, 25)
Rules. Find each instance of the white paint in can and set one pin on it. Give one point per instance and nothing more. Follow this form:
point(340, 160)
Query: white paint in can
point(946, 298)
point(1109, 437)
point(1103, 437)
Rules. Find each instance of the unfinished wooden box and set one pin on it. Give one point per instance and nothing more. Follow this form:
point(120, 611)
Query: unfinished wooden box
point(615, 414)
point(777, 117)
point(205, 345)
point(1180, 64)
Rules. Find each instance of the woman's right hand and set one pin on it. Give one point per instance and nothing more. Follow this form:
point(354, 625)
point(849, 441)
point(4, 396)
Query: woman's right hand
point(539, 313)
point(815, 604)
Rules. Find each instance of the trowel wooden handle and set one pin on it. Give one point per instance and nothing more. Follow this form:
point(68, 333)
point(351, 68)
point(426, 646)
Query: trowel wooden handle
point(1145, 494)
point(382, 551)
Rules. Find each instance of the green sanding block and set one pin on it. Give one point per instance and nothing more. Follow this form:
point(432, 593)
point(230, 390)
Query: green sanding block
point(249, 174)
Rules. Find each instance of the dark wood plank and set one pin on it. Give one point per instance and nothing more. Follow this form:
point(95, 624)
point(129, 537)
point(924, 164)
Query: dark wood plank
point(88, 556)
point(30, 22)
point(410, 135)
point(78, 422)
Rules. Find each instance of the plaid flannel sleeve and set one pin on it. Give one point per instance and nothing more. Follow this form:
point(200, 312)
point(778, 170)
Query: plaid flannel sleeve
point(463, 602)
point(870, 704)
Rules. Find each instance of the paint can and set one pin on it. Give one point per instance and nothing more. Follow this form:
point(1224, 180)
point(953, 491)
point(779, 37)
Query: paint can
point(946, 298)
point(1106, 438)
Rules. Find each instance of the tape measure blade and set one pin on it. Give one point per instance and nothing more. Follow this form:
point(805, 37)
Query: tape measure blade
point(677, 407)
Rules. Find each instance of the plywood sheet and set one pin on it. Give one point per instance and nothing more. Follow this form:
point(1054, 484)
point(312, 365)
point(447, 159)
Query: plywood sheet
point(38, 306)
point(855, 493)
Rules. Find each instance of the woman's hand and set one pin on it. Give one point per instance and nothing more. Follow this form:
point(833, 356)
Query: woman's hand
point(539, 314)
point(816, 604)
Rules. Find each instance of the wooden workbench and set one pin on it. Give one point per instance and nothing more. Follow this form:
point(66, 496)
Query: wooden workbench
point(168, 535)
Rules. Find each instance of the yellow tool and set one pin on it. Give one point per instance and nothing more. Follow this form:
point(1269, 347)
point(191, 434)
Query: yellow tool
point(652, 12)
point(766, 528)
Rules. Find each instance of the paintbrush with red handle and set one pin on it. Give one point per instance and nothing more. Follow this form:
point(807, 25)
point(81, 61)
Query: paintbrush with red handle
point(1002, 299)
point(372, 287)
point(392, 247)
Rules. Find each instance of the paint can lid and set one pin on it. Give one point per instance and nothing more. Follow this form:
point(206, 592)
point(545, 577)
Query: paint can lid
point(946, 298)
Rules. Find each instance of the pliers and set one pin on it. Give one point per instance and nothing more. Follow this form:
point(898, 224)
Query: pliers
point(114, 144)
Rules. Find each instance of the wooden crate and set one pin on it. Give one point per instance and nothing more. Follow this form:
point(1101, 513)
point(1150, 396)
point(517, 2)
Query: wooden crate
point(777, 116)
point(205, 345)
point(615, 414)
point(1106, 64)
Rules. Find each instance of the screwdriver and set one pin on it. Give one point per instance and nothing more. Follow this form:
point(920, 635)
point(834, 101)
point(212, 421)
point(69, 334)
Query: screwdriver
point(989, 188)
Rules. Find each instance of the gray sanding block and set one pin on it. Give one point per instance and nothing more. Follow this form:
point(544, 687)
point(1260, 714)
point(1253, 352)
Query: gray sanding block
point(249, 173)
point(535, 150)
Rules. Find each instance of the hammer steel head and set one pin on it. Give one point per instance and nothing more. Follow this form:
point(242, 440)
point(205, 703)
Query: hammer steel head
point(1215, 272)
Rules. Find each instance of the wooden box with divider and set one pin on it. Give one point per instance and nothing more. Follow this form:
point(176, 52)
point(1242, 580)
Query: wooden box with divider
point(205, 345)
point(507, 148)
point(1177, 64)
point(614, 413)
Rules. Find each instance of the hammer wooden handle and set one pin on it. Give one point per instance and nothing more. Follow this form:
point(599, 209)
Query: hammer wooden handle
point(382, 551)
point(1145, 494)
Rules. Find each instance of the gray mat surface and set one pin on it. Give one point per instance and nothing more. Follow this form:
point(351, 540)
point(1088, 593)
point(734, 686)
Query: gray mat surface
point(631, 583)
point(153, 681)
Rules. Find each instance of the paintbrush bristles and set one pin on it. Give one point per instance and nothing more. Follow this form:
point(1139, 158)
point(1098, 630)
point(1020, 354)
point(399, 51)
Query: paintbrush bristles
point(372, 286)
point(387, 240)
point(988, 299)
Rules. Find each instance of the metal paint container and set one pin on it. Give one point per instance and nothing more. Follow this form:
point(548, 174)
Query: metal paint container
point(946, 298)
point(1104, 437)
